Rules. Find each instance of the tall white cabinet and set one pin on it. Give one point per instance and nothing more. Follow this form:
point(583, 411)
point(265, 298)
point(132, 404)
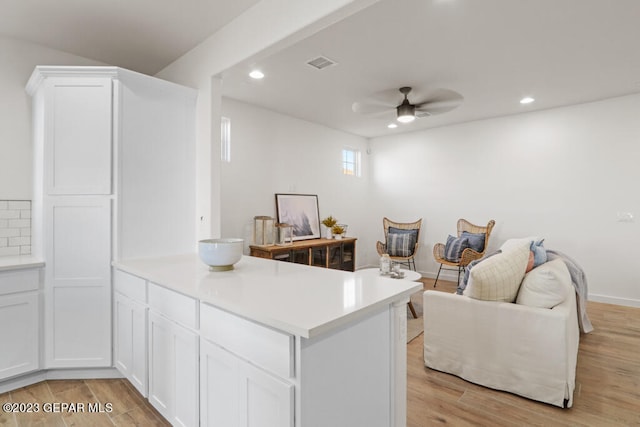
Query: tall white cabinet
point(114, 177)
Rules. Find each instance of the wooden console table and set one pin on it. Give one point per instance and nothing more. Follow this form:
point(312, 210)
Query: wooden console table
point(339, 254)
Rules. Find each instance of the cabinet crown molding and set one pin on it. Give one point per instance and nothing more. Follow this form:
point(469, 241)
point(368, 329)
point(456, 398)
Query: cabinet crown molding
point(43, 71)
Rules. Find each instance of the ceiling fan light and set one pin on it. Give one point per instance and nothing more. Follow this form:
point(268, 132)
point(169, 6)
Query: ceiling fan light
point(406, 113)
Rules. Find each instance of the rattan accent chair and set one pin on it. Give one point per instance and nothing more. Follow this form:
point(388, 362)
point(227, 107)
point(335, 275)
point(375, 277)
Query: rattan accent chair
point(468, 254)
point(409, 261)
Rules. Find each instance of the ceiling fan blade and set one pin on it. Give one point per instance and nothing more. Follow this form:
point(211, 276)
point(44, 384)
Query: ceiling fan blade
point(439, 101)
point(384, 101)
point(371, 108)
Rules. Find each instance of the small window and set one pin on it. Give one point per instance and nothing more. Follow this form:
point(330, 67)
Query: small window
point(351, 161)
point(225, 140)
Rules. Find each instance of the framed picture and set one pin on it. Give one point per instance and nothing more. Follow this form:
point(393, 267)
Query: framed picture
point(301, 212)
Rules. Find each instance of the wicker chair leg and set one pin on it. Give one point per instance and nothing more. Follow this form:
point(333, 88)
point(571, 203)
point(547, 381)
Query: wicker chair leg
point(436, 282)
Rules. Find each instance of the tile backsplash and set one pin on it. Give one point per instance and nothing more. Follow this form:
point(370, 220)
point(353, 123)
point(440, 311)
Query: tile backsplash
point(15, 227)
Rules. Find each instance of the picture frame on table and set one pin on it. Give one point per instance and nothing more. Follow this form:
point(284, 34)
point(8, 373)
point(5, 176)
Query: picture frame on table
point(301, 212)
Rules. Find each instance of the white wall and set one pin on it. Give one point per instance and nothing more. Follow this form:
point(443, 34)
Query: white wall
point(273, 153)
point(562, 174)
point(18, 60)
point(265, 28)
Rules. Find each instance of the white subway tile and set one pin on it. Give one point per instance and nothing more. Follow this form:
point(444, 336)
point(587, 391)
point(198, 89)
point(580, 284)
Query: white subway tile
point(19, 223)
point(19, 241)
point(15, 227)
point(19, 204)
point(9, 232)
point(9, 214)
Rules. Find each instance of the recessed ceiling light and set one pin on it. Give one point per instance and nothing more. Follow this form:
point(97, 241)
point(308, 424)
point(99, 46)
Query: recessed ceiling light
point(256, 74)
point(526, 100)
point(392, 125)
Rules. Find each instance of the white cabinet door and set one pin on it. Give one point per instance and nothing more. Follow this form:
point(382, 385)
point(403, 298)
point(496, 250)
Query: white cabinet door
point(235, 393)
point(78, 282)
point(130, 336)
point(19, 321)
point(78, 129)
point(173, 371)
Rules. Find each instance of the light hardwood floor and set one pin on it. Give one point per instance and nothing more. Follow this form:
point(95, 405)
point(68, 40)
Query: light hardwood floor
point(607, 388)
point(129, 408)
point(607, 382)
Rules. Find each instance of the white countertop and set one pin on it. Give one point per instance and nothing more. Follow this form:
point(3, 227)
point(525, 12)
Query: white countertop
point(20, 262)
point(297, 299)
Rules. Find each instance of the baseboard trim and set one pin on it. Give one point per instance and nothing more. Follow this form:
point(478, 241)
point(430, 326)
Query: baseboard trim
point(57, 374)
point(627, 302)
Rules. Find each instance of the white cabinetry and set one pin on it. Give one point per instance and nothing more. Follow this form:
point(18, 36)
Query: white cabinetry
point(235, 393)
point(78, 282)
point(173, 356)
point(130, 329)
point(114, 177)
point(249, 387)
point(78, 126)
point(19, 320)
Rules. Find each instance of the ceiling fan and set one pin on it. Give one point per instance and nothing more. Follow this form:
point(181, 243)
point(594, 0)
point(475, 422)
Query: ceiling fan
point(426, 103)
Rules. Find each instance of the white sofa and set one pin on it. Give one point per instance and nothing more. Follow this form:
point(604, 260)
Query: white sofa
point(526, 350)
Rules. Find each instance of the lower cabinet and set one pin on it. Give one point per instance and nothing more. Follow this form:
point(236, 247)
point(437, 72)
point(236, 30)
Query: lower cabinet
point(19, 316)
point(173, 370)
point(19, 322)
point(130, 336)
point(235, 393)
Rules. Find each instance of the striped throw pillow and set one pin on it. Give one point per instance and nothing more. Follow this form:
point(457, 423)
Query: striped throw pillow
point(454, 247)
point(400, 244)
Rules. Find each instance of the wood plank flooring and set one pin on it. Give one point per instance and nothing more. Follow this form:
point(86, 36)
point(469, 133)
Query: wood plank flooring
point(129, 408)
point(607, 382)
point(607, 388)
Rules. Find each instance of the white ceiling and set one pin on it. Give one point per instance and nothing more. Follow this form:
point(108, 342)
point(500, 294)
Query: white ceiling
point(493, 52)
point(141, 35)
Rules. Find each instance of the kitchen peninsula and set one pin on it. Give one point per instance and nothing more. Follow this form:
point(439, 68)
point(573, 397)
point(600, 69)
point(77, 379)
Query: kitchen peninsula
point(283, 343)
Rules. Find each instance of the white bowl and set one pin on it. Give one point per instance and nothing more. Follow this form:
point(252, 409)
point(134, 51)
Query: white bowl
point(220, 254)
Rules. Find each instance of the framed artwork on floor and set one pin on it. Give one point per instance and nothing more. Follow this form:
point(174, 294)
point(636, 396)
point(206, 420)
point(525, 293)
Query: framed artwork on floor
point(301, 212)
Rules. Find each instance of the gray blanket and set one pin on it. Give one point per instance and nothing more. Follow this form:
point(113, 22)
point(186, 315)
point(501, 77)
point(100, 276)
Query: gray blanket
point(579, 280)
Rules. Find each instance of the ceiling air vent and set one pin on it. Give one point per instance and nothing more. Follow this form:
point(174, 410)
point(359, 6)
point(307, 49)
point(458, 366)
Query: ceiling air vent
point(321, 62)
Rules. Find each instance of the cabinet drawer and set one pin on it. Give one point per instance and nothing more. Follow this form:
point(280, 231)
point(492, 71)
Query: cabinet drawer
point(173, 305)
point(130, 286)
point(19, 281)
point(263, 346)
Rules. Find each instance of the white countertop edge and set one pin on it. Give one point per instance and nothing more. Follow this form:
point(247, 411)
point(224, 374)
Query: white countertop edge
point(267, 320)
point(315, 331)
point(20, 262)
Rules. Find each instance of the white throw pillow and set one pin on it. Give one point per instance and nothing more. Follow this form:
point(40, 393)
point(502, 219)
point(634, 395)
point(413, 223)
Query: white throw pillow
point(511, 243)
point(546, 285)
point(498, 277)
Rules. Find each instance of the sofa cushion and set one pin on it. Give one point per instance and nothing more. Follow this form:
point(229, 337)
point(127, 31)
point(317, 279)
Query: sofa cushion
point(454, 248)
point(498, 278)
point(546, 286)
point(476, 240)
